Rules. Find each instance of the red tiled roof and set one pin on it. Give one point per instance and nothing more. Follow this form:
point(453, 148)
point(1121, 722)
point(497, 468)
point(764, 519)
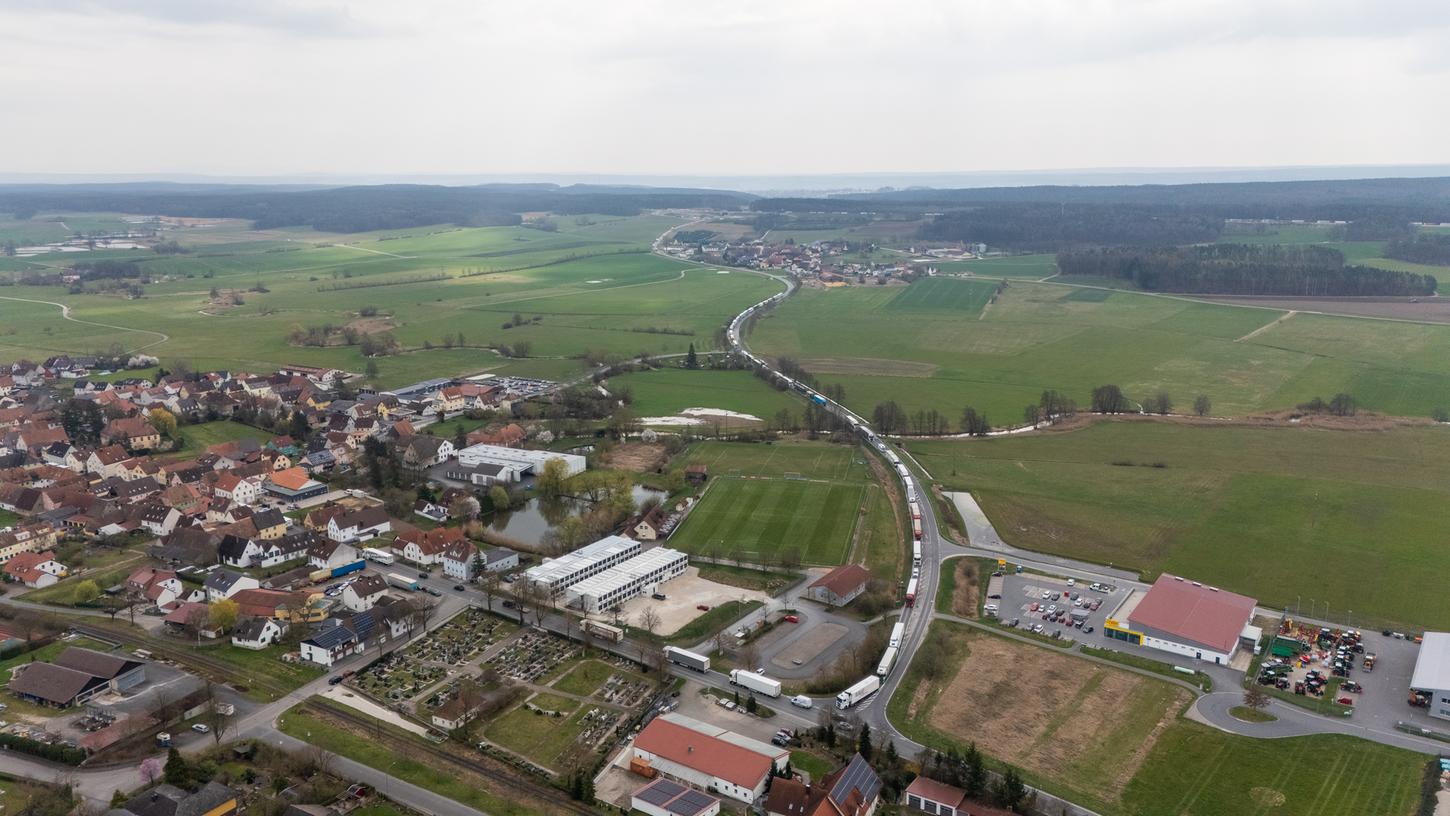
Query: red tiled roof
point(843, 579)
point(291, 478)
point(1193, 612)
point(706, 754)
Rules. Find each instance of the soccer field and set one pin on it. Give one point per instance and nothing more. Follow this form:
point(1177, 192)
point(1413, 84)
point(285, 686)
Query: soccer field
point(763, 519)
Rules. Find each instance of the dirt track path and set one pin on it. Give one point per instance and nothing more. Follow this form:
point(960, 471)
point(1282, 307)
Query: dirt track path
point(1271, 324)
point(65, 314)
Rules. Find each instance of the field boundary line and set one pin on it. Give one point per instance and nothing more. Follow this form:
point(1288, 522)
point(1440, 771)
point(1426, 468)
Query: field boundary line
point(1267, 326)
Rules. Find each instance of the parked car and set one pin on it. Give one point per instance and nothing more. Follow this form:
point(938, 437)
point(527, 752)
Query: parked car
point(659, 596)
point(703, 607)
point(334, 680)
point(1088, 630)
point(422, 574)
point(458, 587)
point(435, 593)
point(791, 619)
point(1071, 582)
point(1034, 607)
point(201, 728)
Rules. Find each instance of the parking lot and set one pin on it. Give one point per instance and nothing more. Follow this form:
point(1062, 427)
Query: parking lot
point(1028, 597)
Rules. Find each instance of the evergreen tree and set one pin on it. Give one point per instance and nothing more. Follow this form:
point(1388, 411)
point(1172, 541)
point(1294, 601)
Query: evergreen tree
point(863, 742)
point(1009, 791)
point(974, 776)
point(691, 361)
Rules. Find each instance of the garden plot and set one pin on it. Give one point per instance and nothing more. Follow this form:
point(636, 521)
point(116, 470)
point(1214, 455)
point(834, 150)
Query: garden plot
point(533, 655)
point(461, 639)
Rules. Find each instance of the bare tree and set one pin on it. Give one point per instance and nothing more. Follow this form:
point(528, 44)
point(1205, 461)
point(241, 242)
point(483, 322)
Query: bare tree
point(750, 656)
point(649, 620)
point(488, 583)
point(215, 719)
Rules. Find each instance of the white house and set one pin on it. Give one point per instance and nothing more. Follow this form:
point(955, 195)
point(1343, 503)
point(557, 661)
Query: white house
point(359, 525)
point(158, 519)
point(460, 557)
point(222, 584)
point(242, 491)
point(364, 593)
point(327, 554)
point(258, 633)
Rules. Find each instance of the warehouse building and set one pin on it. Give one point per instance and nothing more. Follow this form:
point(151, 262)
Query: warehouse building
point(518, 462)
point(639, 575)
point(1186, 618)
point(583, 563)
point(705, 756)
point(1432, 673)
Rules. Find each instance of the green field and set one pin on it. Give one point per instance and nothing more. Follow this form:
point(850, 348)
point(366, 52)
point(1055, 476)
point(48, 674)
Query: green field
point(667, 391)
point(762, 519)
point(925, 347)
point(1189, 768)
point(811, 460)
point(200, 437)
point(593, 286)
point(548, 741)
point(1275, 513)
point(1015, 266)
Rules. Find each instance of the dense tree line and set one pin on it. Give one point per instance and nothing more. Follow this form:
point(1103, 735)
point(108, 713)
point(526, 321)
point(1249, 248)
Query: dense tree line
point(1425, 249)
point(1402, 199)
point(1050, 227)
point(1242, 269)
point(356, 209)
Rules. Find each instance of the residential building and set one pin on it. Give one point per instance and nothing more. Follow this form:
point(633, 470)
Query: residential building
point(364, 592)
point(213, 799)
point(639, 575)
point(460, 558)
point(840, 586)
point(853, 789)
point(222, 584)
point(425, 547)
point(324, 553)
point(35, 569)
point(362, 524)
point(258, 633)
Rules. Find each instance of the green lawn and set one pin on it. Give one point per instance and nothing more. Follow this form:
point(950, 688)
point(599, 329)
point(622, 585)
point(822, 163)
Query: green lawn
point(420, 772)
point(882, 537)
point(926, 347)
point(62, 593)
point(1190, 768)
point(8, 518)
point(1198, 678)
point(200, 437)
point(772, 582)
point(1274, 513)
point(811, 460)
point(1014, 266)
point(667, 391)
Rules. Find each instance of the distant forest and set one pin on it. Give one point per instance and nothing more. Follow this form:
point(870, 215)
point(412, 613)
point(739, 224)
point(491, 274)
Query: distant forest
point(1048, 218)
point(1242, 269)
point(1051, 227)
point(1425, 249)
point(359, 209)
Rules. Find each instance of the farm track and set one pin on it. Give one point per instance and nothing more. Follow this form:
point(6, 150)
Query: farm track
point(544, 793)
point(65, 315)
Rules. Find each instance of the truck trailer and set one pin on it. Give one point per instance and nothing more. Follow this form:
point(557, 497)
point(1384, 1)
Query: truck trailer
point(689, 660)
point(887, 661)
point(758, 683)
point(865, 687)
point(612, 634)
point(897, 632)
point(911, 593)
point(402, 582)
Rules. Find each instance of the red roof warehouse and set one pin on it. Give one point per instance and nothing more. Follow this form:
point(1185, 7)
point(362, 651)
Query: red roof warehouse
point(1185, 617)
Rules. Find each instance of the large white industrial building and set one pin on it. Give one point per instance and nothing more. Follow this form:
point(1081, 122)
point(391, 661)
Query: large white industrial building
point(516, 461)
point(583, 563)
point(1432, 673)
point(639, 575)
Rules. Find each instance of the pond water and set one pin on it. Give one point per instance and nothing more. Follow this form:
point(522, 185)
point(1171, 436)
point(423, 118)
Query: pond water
point(528, 524)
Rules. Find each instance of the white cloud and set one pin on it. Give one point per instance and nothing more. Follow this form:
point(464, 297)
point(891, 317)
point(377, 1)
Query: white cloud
point(641, 86)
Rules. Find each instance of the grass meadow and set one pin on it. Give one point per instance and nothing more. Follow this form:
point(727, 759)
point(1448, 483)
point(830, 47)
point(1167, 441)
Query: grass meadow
point(931, 345)
point(667, 391)
point(592, 287)
point(1281, 514)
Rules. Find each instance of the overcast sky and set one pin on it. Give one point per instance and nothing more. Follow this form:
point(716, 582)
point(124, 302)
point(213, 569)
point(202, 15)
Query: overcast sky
point(274, 88)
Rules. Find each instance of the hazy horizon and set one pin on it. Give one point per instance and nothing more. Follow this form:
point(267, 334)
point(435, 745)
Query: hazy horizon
point(642, 88)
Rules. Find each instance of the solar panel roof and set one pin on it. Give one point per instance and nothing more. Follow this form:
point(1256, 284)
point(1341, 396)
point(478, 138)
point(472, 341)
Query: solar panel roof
point(691, 802)
point(660, 792)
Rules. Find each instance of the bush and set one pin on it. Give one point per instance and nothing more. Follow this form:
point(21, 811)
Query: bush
point(64, 754)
